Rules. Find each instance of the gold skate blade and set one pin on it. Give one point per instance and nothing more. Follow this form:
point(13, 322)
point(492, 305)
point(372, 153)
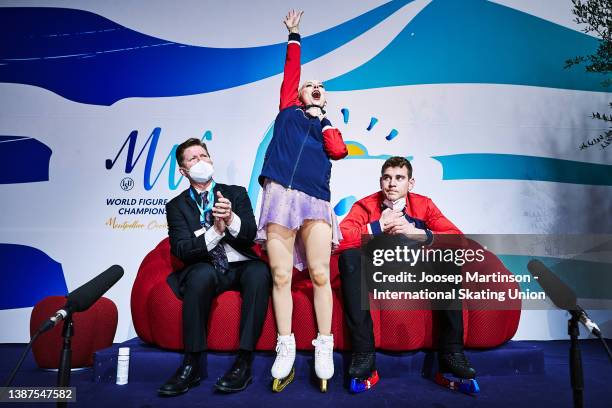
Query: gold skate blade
point(323, 385)
point(279, 384)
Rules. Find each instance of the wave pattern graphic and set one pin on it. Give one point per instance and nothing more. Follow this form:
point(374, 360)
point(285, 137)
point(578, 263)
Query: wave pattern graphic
point(13, 149)
point(476, 41)
point(87, 58)
point(489, 166)
point(344, 205)
point(28, 275)
point(254, 187)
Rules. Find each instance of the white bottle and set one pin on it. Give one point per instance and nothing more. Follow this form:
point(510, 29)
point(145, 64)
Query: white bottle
point(123, 365)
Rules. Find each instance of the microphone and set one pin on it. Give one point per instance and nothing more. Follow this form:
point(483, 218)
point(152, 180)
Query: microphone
point(560, 294)
point(84, 296)
point(54, 320)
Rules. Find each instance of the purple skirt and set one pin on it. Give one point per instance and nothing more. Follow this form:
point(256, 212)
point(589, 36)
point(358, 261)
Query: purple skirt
point(290, 208)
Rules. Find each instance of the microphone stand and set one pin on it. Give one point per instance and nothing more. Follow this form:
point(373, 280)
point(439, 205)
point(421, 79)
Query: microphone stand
point(563, 297)
point(606, 347)
point(63, 374)
point(575, 359)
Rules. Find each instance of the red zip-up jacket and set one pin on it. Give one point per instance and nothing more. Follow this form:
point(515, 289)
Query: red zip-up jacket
point(364, 218)
point(289, 96)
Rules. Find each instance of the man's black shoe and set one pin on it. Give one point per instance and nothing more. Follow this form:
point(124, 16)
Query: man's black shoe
point(186, 377)
point(237, 378)
point(456, 364)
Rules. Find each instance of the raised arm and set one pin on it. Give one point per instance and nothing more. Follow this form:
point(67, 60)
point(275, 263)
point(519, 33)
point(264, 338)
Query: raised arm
point(291, 73)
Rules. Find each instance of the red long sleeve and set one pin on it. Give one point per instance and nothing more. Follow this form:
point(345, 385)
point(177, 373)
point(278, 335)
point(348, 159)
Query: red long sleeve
point(291, 76)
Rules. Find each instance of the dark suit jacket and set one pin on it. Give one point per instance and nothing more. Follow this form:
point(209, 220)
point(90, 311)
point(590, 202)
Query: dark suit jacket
point(184, 218)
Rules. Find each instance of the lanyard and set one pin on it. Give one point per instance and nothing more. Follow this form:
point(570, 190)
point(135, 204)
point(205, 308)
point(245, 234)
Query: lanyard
point(209, 205)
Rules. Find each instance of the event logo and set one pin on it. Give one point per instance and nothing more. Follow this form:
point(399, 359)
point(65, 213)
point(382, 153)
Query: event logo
point(127, 183)
point(133, 213)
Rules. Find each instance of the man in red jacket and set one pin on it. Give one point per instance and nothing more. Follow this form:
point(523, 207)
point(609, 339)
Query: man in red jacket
point(393, 211)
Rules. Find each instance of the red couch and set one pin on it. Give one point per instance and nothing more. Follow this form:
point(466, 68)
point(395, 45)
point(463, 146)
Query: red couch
point(94, 329)
point(156, 313)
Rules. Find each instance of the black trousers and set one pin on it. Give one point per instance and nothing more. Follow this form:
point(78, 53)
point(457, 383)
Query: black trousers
point(203, 282)
point(359, 321)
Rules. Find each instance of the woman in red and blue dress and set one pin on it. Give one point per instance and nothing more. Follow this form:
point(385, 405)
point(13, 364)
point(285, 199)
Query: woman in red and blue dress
point(297, 223)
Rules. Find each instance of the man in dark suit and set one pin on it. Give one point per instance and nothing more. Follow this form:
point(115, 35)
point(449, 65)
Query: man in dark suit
point(211, 228)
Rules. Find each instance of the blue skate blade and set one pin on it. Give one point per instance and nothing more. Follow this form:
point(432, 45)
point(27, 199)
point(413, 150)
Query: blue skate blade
point(358, 386)
point(475, 387)
point(469, 387)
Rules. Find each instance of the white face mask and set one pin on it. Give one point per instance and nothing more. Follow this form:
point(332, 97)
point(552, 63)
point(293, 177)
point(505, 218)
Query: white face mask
point(398, 204)
point(201, 172)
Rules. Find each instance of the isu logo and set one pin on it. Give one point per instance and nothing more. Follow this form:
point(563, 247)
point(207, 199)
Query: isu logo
point(127, 183)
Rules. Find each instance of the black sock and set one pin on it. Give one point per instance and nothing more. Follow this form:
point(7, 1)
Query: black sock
point(246, 355)
point(192, 358)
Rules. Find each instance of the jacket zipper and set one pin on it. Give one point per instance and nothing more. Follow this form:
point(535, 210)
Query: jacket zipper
point(299, 155)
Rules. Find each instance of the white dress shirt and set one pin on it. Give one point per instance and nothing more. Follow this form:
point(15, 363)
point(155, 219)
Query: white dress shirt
point(212, 237)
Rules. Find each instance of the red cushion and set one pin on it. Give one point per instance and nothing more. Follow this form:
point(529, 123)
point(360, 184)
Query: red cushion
point(267, 340)
point(165, 317)
point(156, 313)
point(94, 329)
point(154, 269)
point(405, 327)
point(486, 325)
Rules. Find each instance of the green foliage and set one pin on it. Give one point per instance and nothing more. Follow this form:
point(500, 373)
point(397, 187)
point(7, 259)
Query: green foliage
point(597, 16)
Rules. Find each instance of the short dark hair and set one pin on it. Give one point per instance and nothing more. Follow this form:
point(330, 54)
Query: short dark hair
point(180, 150)
point(397, 161)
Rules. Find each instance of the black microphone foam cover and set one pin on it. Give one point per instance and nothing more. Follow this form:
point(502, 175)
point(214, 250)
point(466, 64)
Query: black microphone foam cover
point(558, 292)
point(86, 295)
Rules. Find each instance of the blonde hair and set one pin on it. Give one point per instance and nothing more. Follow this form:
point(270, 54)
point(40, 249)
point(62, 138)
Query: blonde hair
point(307, 82)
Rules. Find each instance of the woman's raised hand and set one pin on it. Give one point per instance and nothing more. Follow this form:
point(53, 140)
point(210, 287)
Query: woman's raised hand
point(292, 21)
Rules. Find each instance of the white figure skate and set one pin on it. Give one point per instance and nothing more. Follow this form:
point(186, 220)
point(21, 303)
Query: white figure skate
point(324, 358)
point(283, 371)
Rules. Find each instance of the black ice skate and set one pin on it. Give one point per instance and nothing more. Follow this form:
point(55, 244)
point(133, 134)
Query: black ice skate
point(452, 371)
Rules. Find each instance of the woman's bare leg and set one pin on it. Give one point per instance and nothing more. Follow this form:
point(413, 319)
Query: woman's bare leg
point(317, 237)
point(279, 244)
